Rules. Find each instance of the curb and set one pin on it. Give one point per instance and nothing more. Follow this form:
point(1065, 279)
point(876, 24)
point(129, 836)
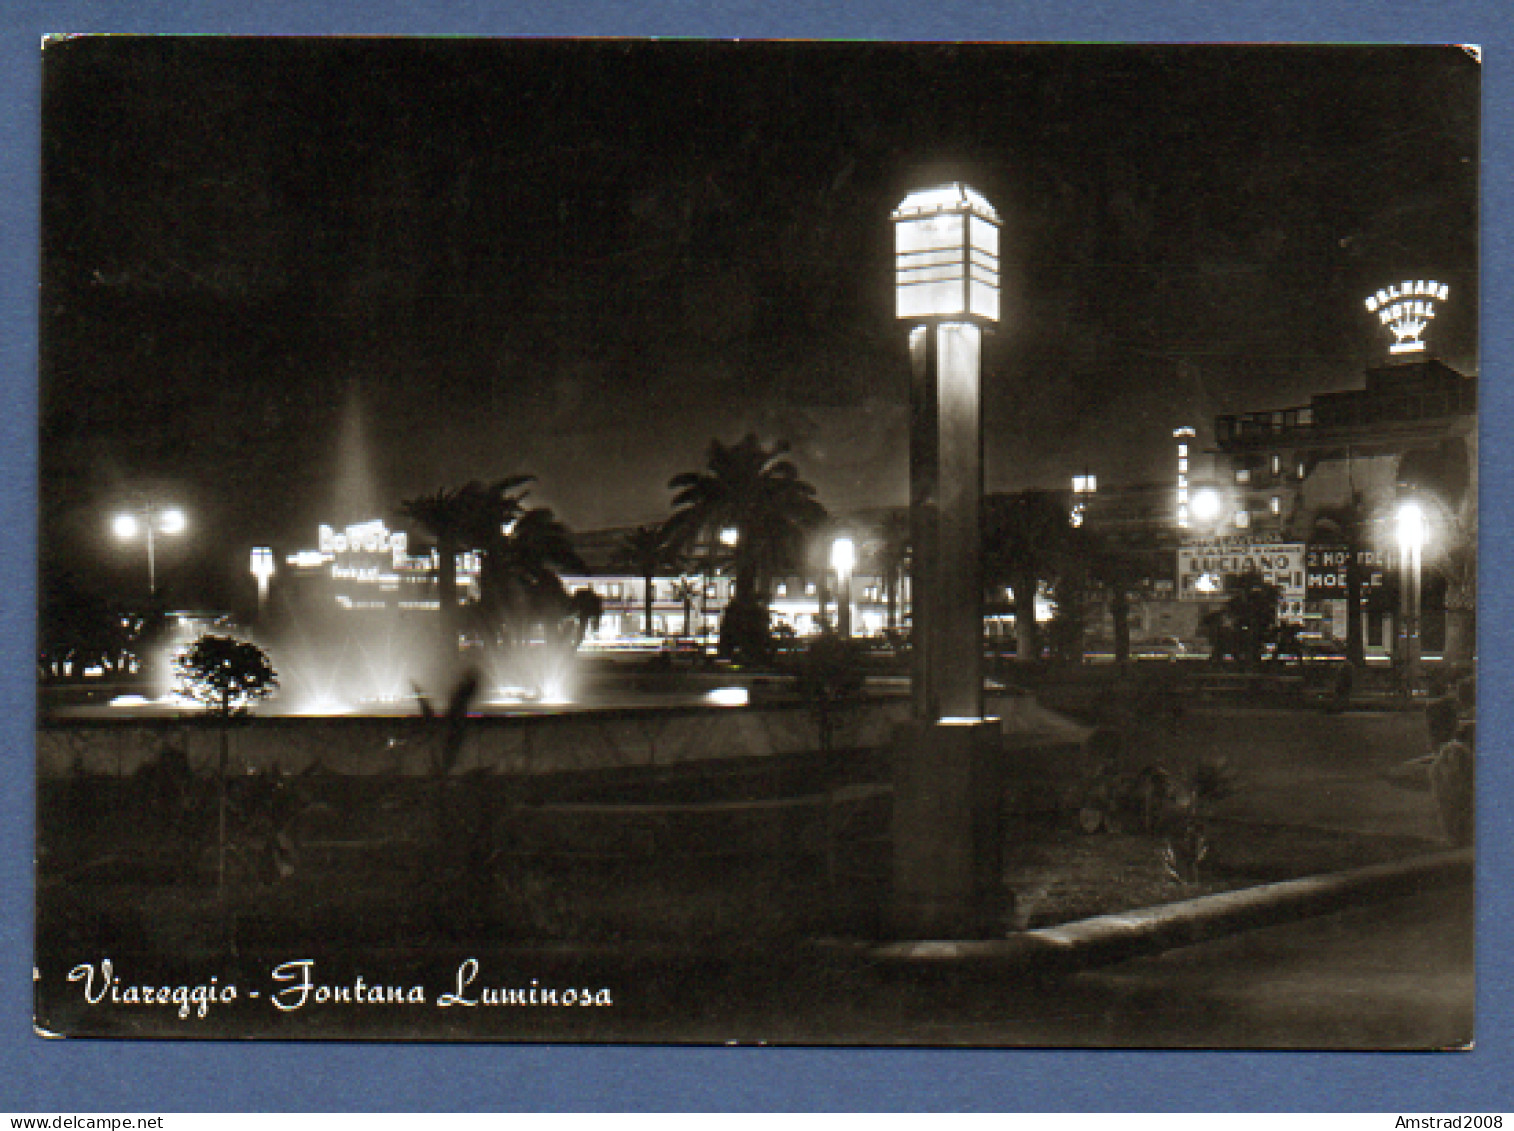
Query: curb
point(1107, 939)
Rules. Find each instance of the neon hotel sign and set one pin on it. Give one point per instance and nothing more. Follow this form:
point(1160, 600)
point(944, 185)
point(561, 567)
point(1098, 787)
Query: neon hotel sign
point(1406, 309)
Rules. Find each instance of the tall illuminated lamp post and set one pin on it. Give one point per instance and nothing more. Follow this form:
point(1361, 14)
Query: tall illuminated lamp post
point(1084, 487)
point(149, 519)
point(843, 561)
point(262, 569)
point(947, 824)
point(1411, 541)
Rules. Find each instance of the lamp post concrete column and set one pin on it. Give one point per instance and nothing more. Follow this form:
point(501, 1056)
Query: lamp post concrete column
point(843, 560)
point(947, 823)
point(1411, 541)
point(262, 569)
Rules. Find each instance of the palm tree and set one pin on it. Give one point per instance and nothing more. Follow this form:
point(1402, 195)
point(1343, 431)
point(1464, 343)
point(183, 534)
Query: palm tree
point(467, 517)
point(452, 518)
point(645, 551)
point(1025, 541)
point(520, 578)
point(756, 493)
point(891, 557)
point(1118, 569)
point(685, 589)
point(585, 608)
point(1251, 611)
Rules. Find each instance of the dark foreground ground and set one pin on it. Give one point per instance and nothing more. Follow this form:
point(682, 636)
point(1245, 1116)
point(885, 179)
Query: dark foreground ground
point(1387, 975)
point(685, 935)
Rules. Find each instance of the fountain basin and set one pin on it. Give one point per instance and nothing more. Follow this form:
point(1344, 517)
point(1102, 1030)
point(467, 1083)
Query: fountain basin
point(522, 740)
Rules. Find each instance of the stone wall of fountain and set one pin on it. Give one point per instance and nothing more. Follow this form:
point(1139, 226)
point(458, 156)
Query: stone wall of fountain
point(404, 746)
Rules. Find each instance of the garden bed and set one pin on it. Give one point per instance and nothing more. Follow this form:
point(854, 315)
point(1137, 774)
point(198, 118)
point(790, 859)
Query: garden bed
point(157, 894)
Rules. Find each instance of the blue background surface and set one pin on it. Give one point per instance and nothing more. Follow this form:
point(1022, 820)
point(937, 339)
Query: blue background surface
point(97, 1076)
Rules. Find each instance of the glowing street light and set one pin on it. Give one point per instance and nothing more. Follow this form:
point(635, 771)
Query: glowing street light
point(946, 245)
point(947, 823)
point(1411, 542)
point(262, 569)
point(151, 519)
point(1082, 487)
point(1206, 504)
point(843, 561)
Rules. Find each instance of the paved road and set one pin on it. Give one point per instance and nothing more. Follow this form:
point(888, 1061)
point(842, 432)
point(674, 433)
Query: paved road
point(1396, 975)
point(1389, 975)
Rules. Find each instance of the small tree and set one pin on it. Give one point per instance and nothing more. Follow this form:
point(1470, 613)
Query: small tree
point(1027, 539)
point(830, 676)
point(585, 610)
point(228, 676)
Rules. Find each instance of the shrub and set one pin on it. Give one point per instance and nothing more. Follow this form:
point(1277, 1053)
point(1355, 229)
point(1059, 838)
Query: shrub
point(1451, 775)
point(830, 674)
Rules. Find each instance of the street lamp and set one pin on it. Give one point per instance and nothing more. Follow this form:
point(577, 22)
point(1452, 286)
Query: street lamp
point(1083, 486)
point(843, 560)
point(151, 519)
point(262, 569)
point(1184, 437)
point(947, 820)
point(1206, 504)
point(1411, 541)
point(946, 244)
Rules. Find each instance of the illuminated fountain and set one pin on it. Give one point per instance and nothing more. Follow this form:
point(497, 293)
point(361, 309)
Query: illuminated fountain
point(353, 627)
point(351, 624)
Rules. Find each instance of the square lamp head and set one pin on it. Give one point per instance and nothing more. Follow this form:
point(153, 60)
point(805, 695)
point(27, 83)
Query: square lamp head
point(946, 255)
point(262, 562)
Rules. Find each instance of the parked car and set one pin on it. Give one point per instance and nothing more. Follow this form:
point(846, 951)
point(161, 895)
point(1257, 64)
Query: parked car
point(1159, 648)
point(680, 653)
point(1324, 649)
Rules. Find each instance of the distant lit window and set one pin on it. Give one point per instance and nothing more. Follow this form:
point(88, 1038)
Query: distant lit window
point(1275, 504)
point(1242, 519)
point(781, 590)
point(809, 588)
point(1243, 475)
point(1300, 470)
point(1277, 464)
point(1182, 463)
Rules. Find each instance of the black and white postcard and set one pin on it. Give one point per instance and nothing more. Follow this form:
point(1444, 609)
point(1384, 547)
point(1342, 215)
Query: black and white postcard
point(812, 543)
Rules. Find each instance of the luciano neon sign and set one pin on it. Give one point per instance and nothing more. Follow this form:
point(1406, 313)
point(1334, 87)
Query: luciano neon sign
point(1406, 309)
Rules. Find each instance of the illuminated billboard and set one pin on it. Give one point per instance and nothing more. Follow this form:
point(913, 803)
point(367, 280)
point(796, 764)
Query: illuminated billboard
point(1406, 308)
point(1204, 568)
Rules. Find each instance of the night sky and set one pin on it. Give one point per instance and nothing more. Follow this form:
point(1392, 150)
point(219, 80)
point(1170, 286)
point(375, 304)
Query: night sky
point(464, 259)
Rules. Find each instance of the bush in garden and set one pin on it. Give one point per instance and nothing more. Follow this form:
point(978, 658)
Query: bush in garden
point(228, 676)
